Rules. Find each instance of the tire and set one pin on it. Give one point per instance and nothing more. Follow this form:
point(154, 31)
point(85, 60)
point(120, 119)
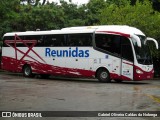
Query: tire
point(27, 71)
point(103, 76)
point(118, 81)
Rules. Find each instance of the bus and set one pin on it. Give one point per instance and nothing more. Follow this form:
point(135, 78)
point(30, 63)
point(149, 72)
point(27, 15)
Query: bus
point(107, 52)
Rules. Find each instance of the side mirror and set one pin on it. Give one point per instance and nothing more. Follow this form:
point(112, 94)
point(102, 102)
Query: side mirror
point(151, 39)
point(136, 38)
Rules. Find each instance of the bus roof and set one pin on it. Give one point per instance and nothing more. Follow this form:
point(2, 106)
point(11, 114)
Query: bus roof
point(47, 32)
point(84, 29)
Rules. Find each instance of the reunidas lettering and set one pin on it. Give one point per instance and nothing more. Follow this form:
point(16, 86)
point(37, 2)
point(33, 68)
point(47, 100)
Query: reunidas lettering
point(66, 53)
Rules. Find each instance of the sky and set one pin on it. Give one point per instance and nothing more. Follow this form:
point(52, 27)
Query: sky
point(79, 2)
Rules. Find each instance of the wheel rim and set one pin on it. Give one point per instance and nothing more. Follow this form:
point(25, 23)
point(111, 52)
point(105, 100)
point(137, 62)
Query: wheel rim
point(27, 71)
point(104, 75)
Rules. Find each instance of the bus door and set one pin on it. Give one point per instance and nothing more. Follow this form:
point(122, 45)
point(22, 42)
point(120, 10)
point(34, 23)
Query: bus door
point(127, 70)
point(127, 59)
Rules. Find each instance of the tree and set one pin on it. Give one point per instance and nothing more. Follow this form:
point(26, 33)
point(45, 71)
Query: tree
point(74, 15)
point(93, 10)
point(43, 17)
point(9, 16)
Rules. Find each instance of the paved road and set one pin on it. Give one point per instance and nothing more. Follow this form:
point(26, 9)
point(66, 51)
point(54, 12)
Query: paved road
point(56, 94)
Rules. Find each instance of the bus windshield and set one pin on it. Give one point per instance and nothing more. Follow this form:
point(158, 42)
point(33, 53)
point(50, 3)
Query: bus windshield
point(143, 54)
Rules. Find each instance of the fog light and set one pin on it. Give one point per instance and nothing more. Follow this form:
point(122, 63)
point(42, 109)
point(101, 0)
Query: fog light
point(139, 71)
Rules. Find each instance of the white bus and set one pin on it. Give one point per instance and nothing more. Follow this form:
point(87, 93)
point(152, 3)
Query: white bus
point(109, 52)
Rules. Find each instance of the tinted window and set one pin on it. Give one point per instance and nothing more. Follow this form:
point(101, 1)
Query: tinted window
point(42, 40)
point(110, 43)
point(21, 44)
point(80, 40)
point(38, 38)
point(54, 40)
point(7, 38)
point(115, 44)
point(48, 40)
point(126, 49)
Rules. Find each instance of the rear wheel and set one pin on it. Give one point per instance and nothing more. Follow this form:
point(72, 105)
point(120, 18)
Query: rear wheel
point(27, 71)
point(103, 76)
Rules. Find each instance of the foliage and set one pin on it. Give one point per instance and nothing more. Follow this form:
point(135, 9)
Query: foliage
point(73, 15)
point(93, 10)
point(42, 17)
point(8, 11)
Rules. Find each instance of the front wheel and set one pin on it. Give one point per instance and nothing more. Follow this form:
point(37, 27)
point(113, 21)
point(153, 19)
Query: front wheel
point(27, 71)
point(103, 76)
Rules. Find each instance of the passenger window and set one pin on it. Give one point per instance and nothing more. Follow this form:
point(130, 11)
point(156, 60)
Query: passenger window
point(8, 38)
point(47, 40)
point(54, 40)
point(109, 43)
point(80, 39)
point(38, 38)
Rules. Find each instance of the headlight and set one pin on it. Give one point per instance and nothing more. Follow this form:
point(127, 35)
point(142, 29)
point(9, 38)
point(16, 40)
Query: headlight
point(139, 71)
